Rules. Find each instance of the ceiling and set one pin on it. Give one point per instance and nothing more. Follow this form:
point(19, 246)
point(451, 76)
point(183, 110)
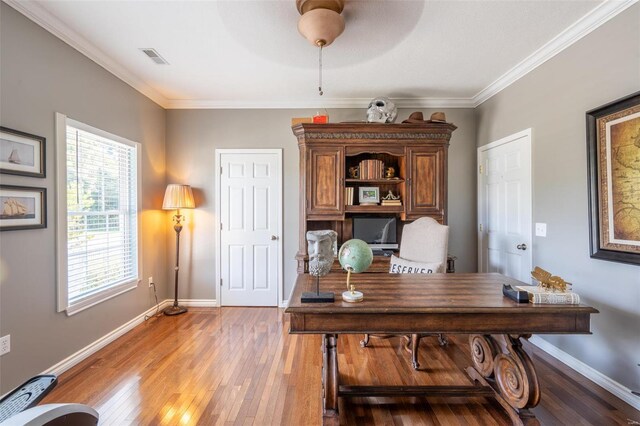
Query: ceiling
point(243, 54)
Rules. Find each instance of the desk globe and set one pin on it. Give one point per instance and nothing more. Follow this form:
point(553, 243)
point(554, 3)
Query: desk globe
point(354, 256)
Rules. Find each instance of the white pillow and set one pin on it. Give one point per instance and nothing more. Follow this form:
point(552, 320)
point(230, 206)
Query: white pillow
point(399, 265)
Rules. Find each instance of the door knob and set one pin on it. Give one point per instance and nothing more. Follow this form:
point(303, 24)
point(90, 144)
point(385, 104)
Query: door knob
point(273, 238)
point(522, 246)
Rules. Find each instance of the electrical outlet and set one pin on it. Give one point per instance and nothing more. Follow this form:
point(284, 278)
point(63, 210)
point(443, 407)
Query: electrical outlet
point(5, 344)
point(150, 281)
point(541, 229)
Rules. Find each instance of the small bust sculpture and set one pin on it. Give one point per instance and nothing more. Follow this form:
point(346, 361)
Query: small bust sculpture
point(321, 248)
point(381, 110)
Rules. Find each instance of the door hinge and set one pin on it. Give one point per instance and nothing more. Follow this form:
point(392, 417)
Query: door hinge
point(221, 170)
point(220, 282)
point(221, 226)
point(480, 227)
point(480, 169)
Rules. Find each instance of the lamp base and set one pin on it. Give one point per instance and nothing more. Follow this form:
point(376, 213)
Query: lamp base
point(312, 297)
point(352, 296)
point(174, 310)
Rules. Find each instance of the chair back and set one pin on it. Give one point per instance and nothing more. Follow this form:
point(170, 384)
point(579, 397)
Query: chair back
point(425, 240)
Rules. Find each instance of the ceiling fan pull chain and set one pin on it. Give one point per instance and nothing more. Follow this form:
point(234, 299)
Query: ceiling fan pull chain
point(320, 69)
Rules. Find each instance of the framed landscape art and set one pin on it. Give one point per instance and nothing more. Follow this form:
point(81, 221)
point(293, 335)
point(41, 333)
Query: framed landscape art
point(22, 207)
point(613, 152)
point(21, 153)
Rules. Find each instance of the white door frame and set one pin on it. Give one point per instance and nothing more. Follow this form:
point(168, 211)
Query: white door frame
point(217, 235)
point(528, 134)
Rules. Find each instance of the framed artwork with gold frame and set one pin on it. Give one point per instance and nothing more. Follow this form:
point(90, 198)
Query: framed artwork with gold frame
point(613, 153)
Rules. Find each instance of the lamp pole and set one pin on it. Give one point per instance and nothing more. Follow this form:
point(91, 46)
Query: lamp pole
point(175, 309)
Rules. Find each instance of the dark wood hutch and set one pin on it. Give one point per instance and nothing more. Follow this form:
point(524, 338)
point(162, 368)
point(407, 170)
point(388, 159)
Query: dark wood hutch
point(417, 152)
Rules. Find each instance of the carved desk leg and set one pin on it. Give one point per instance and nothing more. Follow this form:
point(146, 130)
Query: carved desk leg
point(330, 375)
point(501, 360)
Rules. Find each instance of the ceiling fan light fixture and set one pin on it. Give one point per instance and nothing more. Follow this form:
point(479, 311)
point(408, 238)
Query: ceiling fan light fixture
point(321, 26)
point(320, 23)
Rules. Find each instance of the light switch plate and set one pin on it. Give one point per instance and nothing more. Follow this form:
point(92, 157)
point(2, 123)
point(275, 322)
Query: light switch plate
point(541, 229)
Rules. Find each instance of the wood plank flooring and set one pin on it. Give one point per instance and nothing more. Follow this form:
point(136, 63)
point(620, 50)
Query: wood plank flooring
point(240, 366)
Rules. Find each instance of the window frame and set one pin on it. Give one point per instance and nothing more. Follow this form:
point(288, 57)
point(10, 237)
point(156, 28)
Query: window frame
point(63, 304)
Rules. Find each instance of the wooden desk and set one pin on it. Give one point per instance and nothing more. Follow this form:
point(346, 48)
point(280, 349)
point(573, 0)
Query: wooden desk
point(438, 303)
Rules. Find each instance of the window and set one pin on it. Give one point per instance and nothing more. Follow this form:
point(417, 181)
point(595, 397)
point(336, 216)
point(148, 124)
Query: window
point(98, 205)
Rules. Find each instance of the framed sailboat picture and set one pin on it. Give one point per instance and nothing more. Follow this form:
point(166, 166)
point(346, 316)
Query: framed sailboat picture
point(22, 207)
point(21, 153)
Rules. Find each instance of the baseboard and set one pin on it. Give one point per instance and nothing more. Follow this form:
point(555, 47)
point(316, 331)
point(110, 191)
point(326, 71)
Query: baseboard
point(283, 304)
point(94, 347)
point(590, 373)
point(198, 303)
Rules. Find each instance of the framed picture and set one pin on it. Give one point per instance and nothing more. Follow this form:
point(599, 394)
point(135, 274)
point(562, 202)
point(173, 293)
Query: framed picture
point(21, 153)
point(613, 152)
point(22, 207)
point(368, 195)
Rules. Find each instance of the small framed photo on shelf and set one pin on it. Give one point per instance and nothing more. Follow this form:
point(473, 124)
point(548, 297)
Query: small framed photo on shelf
point(22, 207)
point(21, 153)
point(368, 195)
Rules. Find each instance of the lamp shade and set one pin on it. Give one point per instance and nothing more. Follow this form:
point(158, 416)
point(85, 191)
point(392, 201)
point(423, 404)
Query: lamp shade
point(178, 197)
point(321, 25)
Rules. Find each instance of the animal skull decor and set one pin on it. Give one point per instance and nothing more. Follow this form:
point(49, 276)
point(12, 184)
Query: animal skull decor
point(382, 110)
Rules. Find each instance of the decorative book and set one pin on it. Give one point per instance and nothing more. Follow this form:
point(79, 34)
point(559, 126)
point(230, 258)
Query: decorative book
point(371, 169)
point(348, 196)
point(541, 295)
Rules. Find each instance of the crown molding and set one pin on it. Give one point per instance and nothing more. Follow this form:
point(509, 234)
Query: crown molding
point(46, 20)
point(589, 22)
point(318, 103)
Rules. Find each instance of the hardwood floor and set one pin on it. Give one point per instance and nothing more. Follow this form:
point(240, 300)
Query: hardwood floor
point(240, 366)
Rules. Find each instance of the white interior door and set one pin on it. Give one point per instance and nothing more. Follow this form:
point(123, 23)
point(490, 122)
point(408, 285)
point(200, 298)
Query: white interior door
point(249, 206)
point(504, 206)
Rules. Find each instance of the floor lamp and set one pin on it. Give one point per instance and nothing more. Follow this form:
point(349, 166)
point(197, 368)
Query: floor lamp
point(177, 197)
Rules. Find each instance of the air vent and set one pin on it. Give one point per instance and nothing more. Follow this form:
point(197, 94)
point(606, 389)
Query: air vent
point(154, 56)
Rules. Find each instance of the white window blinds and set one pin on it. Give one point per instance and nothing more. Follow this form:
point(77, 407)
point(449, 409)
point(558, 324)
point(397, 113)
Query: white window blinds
point(102, 251)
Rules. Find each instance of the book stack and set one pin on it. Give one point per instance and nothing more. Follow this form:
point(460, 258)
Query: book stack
point(391, 202)
point(541, 295)
point(348, 196)
point(371, 169)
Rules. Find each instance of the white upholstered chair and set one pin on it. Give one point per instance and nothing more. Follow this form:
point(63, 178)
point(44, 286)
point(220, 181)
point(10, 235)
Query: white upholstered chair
point(424, 241)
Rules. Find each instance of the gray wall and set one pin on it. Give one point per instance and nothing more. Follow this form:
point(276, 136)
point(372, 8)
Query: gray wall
point(193, 136)
point(42, 75)
point(552, 100)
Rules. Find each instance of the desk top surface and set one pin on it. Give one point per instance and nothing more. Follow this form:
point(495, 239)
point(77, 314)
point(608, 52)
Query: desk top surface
point(419, 293)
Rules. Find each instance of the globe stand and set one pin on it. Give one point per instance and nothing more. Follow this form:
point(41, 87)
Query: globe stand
point(317, 297)
point(351, 295)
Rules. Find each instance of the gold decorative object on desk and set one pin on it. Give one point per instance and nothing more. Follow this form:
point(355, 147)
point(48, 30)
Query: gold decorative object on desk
point(548, 281)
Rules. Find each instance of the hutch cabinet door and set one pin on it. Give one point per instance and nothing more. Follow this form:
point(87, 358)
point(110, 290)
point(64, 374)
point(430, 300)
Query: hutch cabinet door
point(427, 183)
point(325, 180)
